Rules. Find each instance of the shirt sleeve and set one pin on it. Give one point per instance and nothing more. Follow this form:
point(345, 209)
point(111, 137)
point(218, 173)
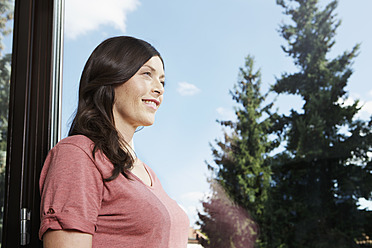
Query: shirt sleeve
point(71, 190)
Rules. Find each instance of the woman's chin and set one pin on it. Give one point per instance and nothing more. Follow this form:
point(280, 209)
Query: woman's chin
point(148, 123)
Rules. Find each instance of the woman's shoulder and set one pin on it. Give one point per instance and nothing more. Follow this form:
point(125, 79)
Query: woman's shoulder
point(78, 149)
point(75, 153)
point(72, 147)
point(79, 141)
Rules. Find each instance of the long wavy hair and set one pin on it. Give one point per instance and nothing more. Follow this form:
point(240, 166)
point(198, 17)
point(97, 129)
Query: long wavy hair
point(112, 63)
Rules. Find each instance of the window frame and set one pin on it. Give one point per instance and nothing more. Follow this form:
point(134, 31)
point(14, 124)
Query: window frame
point(34, 110)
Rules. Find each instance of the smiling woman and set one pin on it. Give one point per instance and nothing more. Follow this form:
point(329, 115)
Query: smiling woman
point(95, 191)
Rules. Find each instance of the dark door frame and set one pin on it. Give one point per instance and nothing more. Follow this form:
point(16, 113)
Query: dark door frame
point(30, 119)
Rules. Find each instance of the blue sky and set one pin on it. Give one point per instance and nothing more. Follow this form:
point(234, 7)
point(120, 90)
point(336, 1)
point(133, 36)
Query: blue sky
point(203, 43)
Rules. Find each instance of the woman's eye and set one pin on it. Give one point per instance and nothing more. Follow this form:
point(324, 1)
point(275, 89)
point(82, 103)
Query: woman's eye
point(147, 73)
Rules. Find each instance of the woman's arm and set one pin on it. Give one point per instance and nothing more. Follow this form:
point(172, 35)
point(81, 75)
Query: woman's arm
point(66, 239)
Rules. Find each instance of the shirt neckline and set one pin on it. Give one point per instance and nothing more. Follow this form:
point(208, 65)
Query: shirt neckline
point(140, 180)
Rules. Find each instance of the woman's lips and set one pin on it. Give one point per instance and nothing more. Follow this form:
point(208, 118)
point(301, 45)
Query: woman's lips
point(151, 103)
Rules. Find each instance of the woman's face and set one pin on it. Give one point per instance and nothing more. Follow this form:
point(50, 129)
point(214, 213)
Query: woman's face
point(138, 99)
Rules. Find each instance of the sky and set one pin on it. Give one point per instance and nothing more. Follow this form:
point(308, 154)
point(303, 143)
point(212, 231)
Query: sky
point(203, 44)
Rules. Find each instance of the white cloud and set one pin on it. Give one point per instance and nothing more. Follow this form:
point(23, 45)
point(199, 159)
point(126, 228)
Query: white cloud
point(348, 102)
point(370, 92)
point(365, 204)
point(190, 202)
point(367, 107)
point(193, 196)
point(187, 89)
point(192, 213)
point(83, 16)
point(226, 114)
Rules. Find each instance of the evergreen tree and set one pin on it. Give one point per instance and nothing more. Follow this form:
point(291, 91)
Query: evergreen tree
point(325, 168)
point(240, 169)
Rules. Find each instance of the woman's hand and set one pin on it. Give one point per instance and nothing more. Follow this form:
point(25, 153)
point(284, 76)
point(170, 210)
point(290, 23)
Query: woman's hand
point(66, 239)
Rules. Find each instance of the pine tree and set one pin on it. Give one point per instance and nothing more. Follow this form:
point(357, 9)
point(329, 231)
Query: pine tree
point(239, 158)
point(325, 168)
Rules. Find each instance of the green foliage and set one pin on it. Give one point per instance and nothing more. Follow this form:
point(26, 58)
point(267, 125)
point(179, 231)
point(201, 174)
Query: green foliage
point(325, 168)
point(306, 195)
point(4, 98)
point(240, 166)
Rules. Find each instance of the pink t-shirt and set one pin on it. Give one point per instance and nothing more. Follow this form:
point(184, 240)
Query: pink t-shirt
point(120, 213)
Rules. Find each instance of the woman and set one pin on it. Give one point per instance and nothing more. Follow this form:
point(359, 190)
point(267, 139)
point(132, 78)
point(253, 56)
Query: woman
point(95, 192)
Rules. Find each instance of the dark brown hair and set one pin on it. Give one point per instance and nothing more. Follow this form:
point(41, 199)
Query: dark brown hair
point(113, 62)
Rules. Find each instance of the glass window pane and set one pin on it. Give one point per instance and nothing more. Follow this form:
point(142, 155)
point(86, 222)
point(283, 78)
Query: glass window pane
point(6, 25)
